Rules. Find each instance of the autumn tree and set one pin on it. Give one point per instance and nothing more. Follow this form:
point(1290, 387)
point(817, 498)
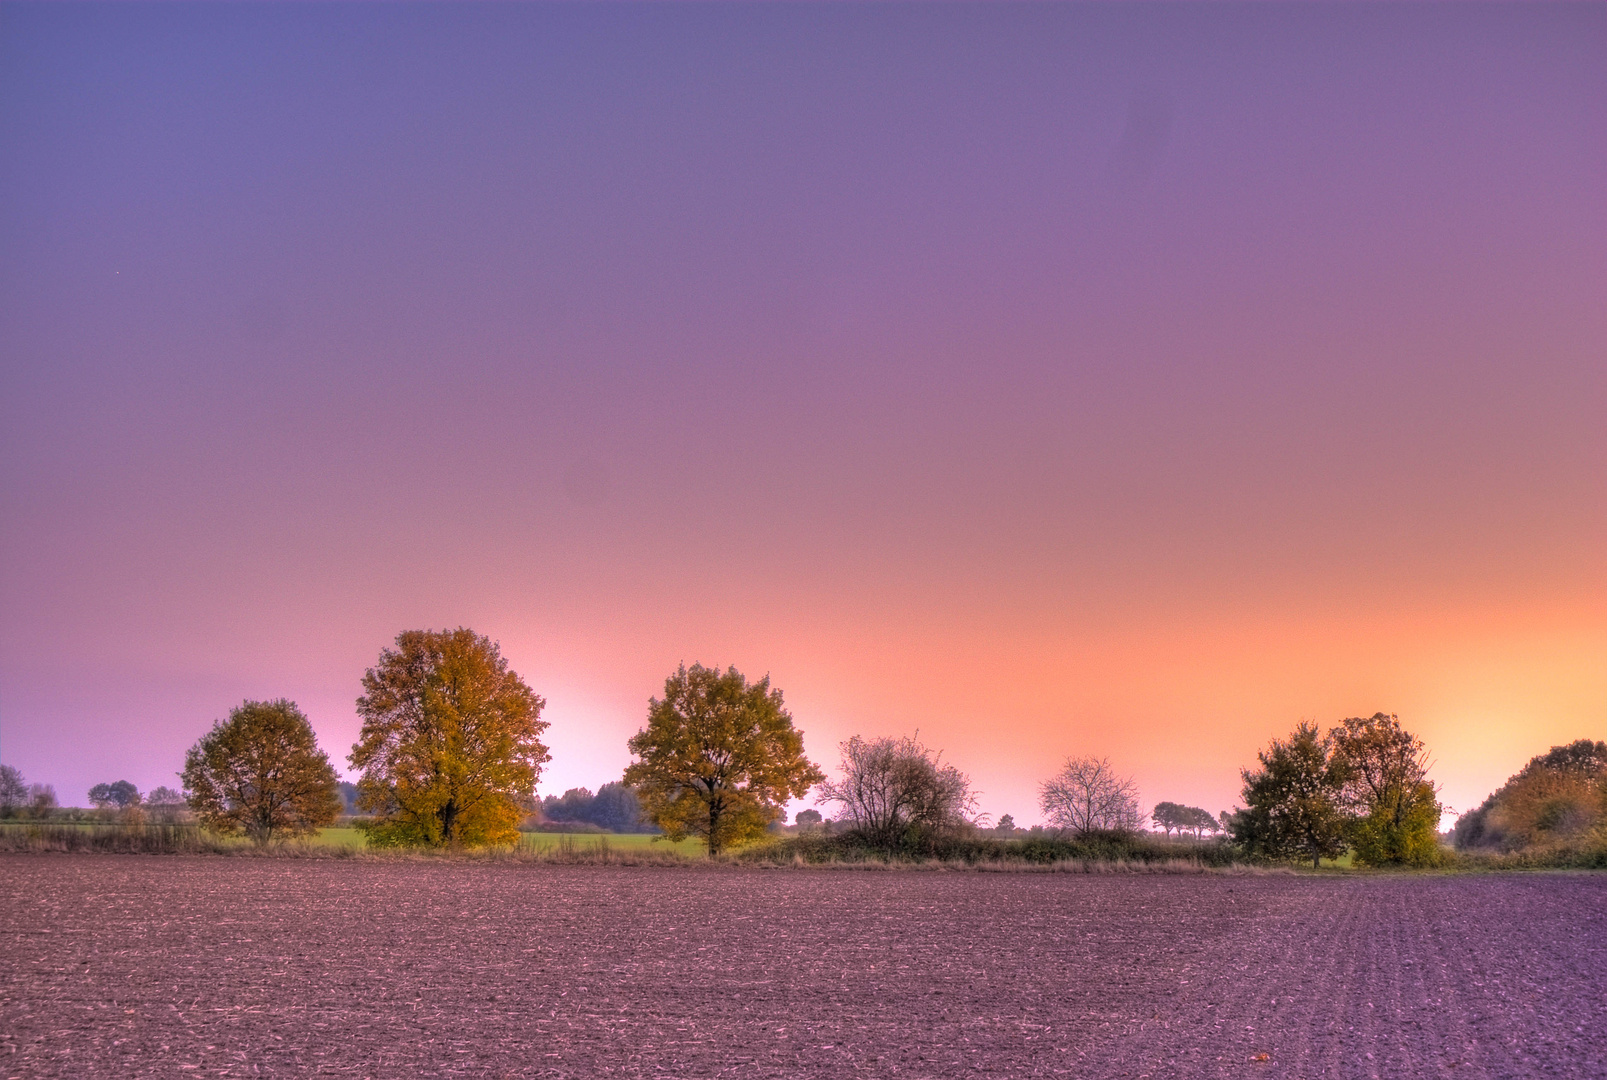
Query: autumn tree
point(896, 791)
point(451, 742)
point(1395, 811)
point(260, 772)
point(719, 758)
point(1293, 803)
point(1087, 795)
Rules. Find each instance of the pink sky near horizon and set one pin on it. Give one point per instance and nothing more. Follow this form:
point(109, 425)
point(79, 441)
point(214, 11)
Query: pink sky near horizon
point(1135, 381)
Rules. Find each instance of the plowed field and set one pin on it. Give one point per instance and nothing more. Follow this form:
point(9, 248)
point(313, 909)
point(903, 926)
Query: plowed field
point(123, 966)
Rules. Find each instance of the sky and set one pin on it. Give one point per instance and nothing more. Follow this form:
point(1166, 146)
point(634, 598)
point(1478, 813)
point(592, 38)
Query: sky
point(1134, 380)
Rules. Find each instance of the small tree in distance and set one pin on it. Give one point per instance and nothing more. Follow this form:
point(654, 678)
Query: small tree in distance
point(896, 791)
point(719, 758)
point(260, 772)
point(164, 803)
point(1170, 815)
point(1088, 796)
point(13, 790)
point(122, 795)
point(41, 800)
point(1167, 816)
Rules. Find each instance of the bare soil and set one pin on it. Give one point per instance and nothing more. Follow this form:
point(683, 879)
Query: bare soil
point(169, 966)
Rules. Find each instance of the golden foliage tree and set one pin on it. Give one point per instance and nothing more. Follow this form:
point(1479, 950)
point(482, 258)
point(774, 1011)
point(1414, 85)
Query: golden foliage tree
point(719, 758)
point(451, 742)
point(260, 772)
point(1395, 808)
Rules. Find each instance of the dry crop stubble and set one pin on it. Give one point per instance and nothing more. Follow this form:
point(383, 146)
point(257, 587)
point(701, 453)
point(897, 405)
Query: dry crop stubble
point(141, 966)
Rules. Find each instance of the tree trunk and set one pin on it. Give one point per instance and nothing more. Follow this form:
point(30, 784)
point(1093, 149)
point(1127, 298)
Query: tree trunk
point(449, 816)
point(714, 828)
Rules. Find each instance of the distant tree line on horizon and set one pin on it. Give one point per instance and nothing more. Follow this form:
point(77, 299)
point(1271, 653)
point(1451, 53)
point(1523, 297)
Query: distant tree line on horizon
point(450, 753)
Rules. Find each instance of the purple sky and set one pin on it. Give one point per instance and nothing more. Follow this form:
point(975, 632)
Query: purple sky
point(1129, 380)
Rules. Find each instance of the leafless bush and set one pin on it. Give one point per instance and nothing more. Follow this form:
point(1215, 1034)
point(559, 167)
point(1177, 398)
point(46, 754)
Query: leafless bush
point(1087, 796)
point(896, 789)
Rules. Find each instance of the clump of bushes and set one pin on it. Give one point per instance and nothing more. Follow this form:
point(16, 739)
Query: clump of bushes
point(1552, 812)
point(976, 847)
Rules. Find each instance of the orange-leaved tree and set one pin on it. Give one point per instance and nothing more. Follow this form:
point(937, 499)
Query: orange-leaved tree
point(260, 772)
point(450, 745)
point(1395, 809)
point(719, 758)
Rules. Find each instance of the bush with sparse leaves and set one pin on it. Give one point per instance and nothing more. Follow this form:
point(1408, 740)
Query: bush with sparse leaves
point(897, 793)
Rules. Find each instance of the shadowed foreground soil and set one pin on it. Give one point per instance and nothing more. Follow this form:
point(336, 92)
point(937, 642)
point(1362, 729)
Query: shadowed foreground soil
point(152, 966)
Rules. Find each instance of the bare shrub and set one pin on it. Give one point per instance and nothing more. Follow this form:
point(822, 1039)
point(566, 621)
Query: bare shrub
point(1088, 796)
point(895, 791)
point(41, 800)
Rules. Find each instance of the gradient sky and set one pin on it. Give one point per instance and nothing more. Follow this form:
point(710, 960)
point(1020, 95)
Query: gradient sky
point(1126, 380)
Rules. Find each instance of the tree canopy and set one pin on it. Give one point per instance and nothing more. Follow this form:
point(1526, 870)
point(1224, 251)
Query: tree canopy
point(260, 772)
point(1293, 802)
point(451, 742)
point(719, 758)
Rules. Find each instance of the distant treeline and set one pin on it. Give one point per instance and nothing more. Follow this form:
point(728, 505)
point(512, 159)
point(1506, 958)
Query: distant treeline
point(450, 754)
point(615, 808)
